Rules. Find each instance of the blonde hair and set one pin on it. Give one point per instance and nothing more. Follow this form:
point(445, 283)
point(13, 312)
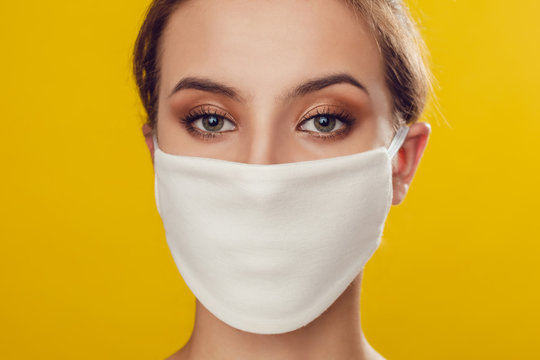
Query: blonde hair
point(404, 53)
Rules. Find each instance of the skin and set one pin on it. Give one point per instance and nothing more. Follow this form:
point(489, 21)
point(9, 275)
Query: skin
point(263, 49)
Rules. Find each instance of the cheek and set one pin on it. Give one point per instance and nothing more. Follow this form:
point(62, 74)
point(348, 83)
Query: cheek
point(370, 133)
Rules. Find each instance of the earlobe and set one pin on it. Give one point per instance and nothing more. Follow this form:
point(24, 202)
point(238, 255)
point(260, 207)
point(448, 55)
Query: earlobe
point(409, 156)
point(148, 133)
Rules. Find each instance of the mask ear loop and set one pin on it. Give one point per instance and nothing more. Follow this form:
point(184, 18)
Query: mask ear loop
point(397, 141)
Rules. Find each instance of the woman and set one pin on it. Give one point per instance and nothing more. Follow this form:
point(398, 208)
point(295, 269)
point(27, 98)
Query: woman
point(273, 126)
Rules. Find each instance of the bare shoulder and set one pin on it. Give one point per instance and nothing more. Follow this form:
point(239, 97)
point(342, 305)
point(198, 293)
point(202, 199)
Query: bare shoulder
point(371, 354)
point(179, 355)
point(377, 356)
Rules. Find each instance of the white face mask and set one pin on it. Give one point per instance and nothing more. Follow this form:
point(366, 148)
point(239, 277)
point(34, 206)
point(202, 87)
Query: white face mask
point(268, 248)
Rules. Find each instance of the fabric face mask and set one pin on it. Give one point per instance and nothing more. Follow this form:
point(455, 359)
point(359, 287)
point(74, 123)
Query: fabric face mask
point(268, 248)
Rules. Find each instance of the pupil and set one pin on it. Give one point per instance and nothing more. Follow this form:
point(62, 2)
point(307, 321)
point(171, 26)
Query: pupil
point(325, 124)
point(212, 123)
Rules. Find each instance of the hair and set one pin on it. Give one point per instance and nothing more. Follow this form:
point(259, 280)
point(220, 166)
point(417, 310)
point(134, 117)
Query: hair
point(403, 50)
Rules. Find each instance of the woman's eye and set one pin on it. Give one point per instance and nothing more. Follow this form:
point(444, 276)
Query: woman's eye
point(213, 123)
point(322, 124)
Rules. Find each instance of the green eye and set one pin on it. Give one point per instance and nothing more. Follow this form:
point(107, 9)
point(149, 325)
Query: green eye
point(207, 124)
point(322, 123)
point(212, 123)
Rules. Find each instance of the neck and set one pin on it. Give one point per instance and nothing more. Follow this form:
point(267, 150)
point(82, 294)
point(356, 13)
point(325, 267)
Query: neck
point(335, 334)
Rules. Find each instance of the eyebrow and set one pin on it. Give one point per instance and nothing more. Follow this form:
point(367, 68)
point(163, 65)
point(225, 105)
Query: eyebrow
point(312, 85)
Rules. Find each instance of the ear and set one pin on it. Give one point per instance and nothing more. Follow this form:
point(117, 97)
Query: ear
point(408, 158)
point(148, 133)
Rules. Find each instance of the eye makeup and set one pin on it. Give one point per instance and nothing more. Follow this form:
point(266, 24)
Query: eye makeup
point(332, 115)
point(324, 114)
point(204, 112)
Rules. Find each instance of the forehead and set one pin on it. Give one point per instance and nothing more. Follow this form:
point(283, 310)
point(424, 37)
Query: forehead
point(260, 46)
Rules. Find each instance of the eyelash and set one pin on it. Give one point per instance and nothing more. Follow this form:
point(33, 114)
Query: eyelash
point(196, 114)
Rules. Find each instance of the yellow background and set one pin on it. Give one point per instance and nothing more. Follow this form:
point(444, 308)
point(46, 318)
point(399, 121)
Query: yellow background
point(85, 271)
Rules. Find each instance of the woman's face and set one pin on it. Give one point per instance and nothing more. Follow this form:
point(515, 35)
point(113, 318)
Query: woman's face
point(270, 82)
